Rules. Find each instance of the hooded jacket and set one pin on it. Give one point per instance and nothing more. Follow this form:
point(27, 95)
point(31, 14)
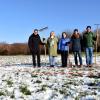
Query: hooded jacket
point(63, 44)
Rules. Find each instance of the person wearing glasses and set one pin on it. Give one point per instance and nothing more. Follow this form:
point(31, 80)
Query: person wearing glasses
point(34, 43)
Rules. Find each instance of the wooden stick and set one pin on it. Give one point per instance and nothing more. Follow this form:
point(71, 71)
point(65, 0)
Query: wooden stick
point(42, 29)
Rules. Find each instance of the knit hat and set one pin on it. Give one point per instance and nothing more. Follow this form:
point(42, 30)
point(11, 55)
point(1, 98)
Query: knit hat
point(35, 30)
point(88, 27)
point(75, 30)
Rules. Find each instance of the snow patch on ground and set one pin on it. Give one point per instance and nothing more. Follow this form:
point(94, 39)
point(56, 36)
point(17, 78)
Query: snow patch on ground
point(20, 81)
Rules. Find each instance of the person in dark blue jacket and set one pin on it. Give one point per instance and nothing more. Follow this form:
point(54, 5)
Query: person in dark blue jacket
point(64, 48)
point(76, 41)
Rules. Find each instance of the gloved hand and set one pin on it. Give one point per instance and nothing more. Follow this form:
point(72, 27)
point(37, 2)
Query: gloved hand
point(59, 51)
point(44, 44)
point(66, 43)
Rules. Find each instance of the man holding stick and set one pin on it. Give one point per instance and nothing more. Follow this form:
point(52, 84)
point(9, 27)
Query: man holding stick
point(88, 38)
point(34, 43)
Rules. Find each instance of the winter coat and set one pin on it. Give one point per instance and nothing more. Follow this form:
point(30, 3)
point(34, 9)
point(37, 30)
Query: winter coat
point(34, 43)
point(63, 44)
point(76, 41)
point(52, 46)
point(88, 39)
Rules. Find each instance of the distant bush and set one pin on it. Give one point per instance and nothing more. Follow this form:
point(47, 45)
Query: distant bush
point(16, 49)
point(4, 49)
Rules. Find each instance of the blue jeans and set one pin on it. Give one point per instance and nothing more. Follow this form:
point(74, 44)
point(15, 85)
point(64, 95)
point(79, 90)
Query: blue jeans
point(52, 60)
point(89, 55)
point(77, 54)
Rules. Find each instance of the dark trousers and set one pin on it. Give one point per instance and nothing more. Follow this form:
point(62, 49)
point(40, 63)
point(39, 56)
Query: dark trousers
point(76, 55)
point(34, 54)
point(64, 56)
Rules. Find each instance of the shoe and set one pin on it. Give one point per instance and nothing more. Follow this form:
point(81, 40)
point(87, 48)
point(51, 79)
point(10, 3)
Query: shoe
point(51, 65)
point(80, 66)
point(34, 66)
point(64, 66)
point(75, 65)
point(39, 66)
point(87, 66)
point(90, 65)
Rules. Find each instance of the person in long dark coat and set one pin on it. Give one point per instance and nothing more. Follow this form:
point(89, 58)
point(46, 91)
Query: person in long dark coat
point(34, 43)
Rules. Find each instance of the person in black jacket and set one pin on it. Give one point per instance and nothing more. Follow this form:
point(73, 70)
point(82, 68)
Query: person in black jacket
point(76, 40)
point(34, 43)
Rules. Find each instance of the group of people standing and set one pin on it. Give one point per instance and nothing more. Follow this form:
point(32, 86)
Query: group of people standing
point(77, 41)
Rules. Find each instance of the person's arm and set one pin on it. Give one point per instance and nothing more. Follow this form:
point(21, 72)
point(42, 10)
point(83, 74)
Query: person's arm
point(68, 42)
point(71, 40)
point(59, 45)
point(83, 40)
point(41, 41)
point(30, 45)
point(57, 40)
point(94, 36)
point(48, 42)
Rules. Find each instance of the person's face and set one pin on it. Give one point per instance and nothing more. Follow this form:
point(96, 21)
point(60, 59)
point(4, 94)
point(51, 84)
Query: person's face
point(75, 32)
point(88, 29)
point(35, 32)
point(64, 35)
point(52, 34)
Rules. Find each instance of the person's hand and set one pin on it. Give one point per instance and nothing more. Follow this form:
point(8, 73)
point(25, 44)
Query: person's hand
point(59, 51)
point(44, 43)
point(66, 44)
point(44, 39)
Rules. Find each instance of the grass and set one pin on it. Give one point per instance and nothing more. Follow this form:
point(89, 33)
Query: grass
point(77, 98)
point(43, 88)
point(9, 82)
point(12, 96)
point(24, 90)
point(38, 81)
point(62, 91)
point(2, 93)
point(34, 76)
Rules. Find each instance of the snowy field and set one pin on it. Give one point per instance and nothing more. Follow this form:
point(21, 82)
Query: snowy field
point(20, 81)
